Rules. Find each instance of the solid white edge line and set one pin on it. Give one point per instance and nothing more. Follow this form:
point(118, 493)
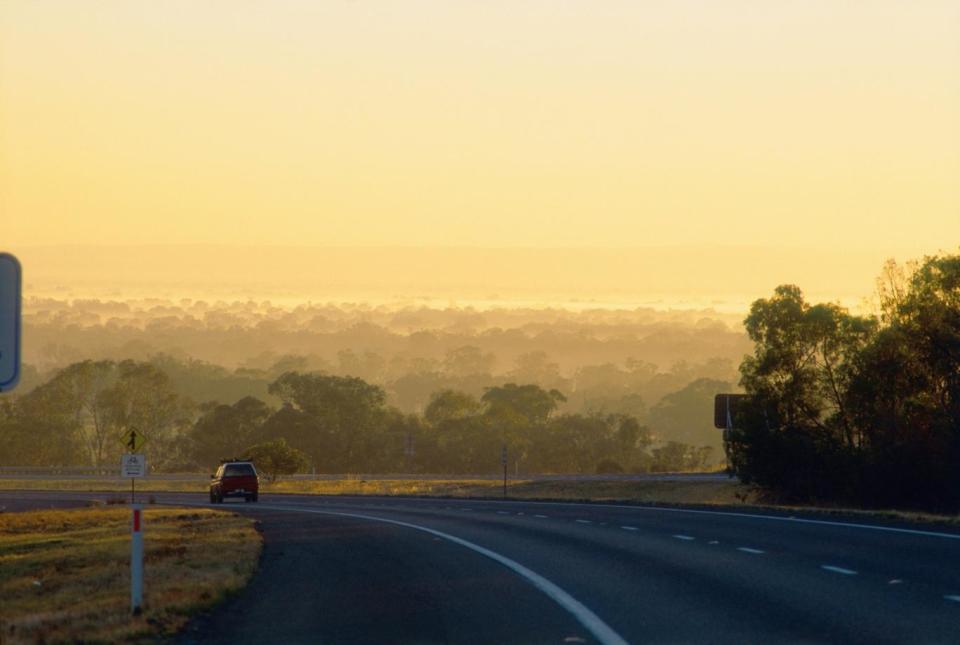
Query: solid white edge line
point(590, 621)
point(846, 572)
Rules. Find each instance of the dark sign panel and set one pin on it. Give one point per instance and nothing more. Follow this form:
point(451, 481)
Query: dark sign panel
point(10, 297)
point(725, 409)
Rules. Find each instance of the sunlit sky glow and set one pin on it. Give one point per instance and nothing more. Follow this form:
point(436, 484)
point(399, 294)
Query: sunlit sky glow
point(500, 124)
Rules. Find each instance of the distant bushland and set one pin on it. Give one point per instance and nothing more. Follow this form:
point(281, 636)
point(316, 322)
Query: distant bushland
point(324, 423)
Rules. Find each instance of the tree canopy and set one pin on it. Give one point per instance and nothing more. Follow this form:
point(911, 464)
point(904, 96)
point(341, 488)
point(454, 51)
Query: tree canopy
point(862, 409)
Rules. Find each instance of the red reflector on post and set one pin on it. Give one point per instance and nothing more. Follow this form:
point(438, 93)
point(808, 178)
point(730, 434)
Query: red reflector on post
point(136, 520)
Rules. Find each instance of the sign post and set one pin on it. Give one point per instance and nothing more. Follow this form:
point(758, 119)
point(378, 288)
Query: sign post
point(503, 462)
point(409, 450)
point(133, 441)
point(11, 279)
point(134, 467)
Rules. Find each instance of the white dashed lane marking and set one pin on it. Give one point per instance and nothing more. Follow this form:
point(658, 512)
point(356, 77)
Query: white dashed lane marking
point(953, 598)
point(629, 528)
point(840, 570)
point(684, 537)
point(747, 549)
point(583, 521)
point(542, 517)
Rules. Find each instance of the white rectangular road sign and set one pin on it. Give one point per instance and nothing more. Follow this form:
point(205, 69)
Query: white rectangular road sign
point(133, 466)
point(10, 299)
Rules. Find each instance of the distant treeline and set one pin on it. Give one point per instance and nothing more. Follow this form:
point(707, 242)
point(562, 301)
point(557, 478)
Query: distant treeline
point(857, 409)
point(659, 367)
point(341, 424)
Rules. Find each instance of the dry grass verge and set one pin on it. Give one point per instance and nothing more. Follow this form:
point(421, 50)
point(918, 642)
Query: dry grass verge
point(64, 574)
point(651, 491)
point(105, 485)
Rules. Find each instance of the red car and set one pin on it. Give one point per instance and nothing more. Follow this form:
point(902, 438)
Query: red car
point(234, 479)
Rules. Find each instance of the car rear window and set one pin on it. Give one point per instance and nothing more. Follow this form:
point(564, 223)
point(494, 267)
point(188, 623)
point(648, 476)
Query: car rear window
point(236, 470)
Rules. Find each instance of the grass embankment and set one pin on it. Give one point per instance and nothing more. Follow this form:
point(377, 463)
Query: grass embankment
point(65, 576)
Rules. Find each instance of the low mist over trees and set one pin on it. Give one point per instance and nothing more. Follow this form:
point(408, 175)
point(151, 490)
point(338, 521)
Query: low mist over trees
point(226, 362)
point(857, 409)
point(613, 360)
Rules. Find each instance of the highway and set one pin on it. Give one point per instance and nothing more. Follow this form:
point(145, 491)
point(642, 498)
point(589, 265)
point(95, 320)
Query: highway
point(366, 569)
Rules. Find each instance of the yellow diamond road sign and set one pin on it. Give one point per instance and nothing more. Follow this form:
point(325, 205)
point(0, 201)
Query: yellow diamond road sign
point(133, 440)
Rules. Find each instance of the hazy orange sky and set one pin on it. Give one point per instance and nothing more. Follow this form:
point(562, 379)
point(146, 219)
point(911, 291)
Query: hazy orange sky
point(501, 124)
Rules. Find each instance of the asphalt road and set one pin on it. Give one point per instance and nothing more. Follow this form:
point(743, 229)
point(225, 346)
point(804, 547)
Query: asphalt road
point(376, 570)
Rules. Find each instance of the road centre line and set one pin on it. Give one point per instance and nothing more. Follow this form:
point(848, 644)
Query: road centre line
point(841, 570)
point(747, 549)
point(590, 621)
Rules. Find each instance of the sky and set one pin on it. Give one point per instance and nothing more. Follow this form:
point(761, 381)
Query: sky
point(502, 124)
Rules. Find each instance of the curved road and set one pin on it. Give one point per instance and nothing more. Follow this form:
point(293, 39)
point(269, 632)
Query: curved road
point(373, 570)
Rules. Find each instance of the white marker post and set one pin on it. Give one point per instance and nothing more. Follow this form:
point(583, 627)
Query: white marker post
point(134, 466)
point(136, 561)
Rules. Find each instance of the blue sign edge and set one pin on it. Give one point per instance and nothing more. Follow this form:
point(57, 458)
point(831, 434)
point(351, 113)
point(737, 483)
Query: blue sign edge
point(6, 386)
